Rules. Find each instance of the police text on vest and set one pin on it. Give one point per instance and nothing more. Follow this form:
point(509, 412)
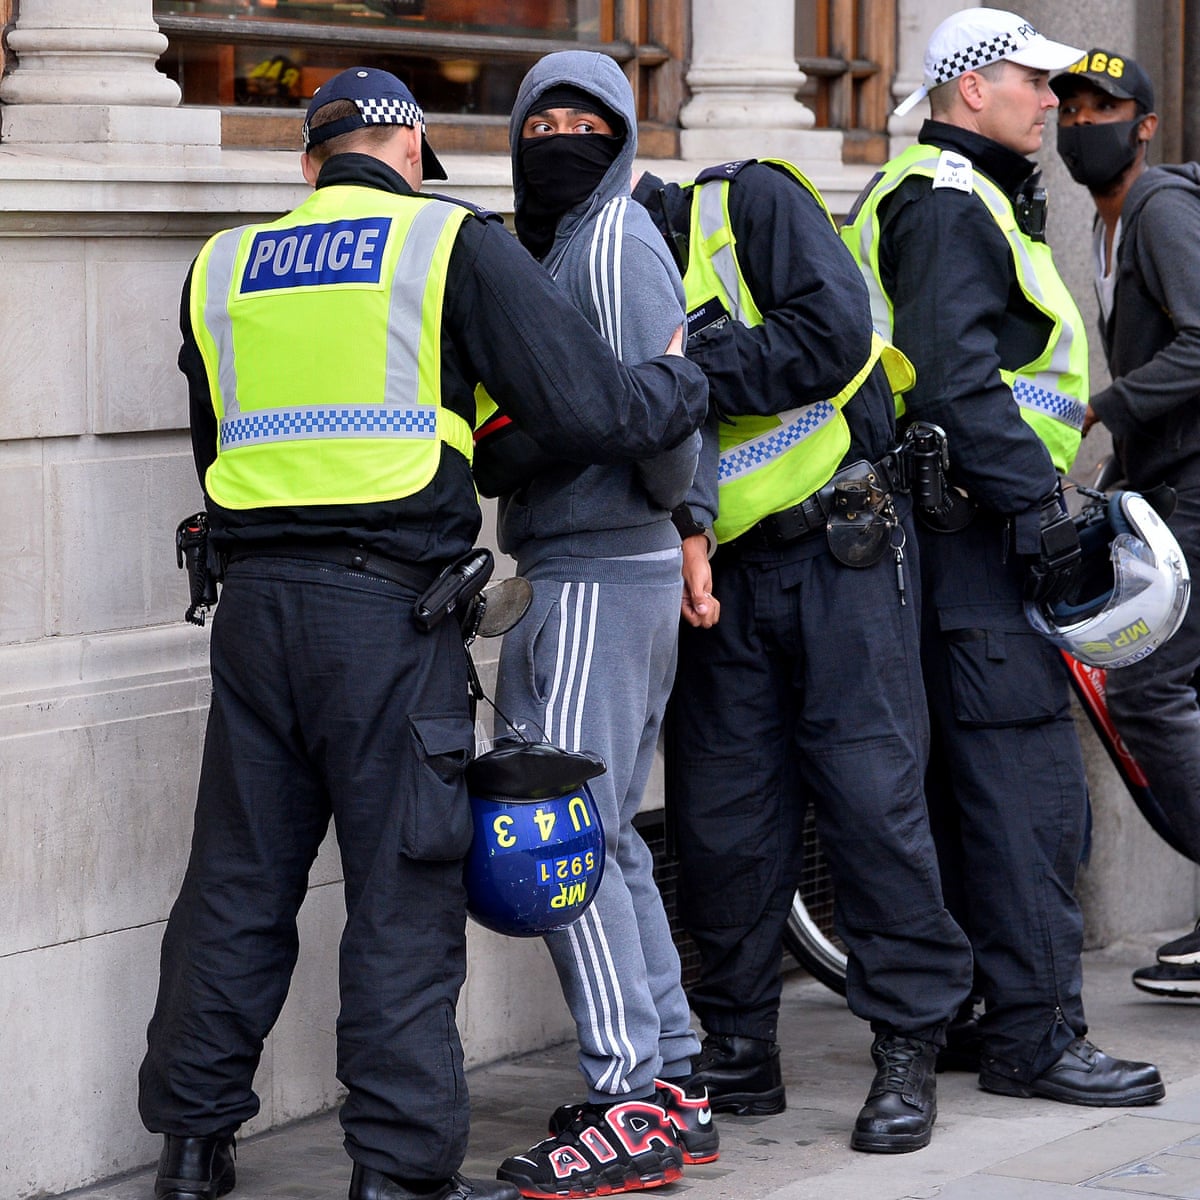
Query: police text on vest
point(316, 255)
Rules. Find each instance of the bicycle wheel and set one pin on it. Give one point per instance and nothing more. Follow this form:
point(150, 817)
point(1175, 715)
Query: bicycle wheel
point(809, 936)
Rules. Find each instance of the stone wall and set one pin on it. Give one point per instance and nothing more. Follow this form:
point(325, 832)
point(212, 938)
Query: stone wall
point(104, 689)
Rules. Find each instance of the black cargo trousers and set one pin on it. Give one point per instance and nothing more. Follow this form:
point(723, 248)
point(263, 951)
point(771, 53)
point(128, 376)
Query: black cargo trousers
point(808, 691)
point(326, 701)
point(1007, 794)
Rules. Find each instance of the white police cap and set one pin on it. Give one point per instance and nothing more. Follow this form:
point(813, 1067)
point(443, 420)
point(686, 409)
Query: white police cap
point(977, 37)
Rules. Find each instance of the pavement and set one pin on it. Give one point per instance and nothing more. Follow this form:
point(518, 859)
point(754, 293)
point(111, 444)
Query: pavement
point(985, 1147)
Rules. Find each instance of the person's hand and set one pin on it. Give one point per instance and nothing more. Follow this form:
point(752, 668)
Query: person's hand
point(1089, 419)
point(675, 345)
point(700, 608)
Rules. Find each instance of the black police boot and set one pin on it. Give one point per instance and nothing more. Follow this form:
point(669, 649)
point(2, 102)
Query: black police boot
point(366, 1184)
point(1083, 1074)
point(901, 1106)
point(194, 1168)
point(742, 1074)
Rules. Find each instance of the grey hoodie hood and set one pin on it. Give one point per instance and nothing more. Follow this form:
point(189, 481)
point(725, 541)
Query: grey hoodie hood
point(601, 77)
point(1170, 175)
point(615, 268)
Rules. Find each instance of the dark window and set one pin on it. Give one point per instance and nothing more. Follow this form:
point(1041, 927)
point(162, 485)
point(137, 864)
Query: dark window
point(847, 48)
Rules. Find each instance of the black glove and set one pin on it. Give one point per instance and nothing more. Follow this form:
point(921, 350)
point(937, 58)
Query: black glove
point(1053, 569)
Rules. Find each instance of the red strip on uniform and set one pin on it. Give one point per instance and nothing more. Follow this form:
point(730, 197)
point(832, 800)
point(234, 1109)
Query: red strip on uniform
point(497, 423)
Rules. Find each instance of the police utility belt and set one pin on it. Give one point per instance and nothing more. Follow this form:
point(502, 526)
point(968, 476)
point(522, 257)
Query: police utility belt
point(439, 594)
point(452, 591)
point(854, 512)
point(353, 557)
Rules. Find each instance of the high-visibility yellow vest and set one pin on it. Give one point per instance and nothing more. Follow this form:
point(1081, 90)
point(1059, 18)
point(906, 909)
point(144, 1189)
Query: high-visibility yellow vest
point(321, 338)
point(1052, 389)
point(768, 463)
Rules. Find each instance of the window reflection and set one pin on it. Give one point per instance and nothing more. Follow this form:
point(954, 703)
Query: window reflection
point(240, 64)
point(553, 18)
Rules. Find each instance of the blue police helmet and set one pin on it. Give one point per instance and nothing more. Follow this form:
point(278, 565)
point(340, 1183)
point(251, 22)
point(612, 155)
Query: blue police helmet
point(537, 855)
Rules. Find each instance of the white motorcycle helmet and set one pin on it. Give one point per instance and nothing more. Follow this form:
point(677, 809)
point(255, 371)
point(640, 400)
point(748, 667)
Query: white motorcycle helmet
point(1132, 589)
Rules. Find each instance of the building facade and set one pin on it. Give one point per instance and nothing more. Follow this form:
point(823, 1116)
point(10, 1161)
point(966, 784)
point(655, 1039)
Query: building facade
point(131, 130)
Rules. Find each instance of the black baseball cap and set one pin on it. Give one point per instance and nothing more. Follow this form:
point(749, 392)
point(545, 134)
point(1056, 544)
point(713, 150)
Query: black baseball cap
point(381, 99)
point(1111, 72)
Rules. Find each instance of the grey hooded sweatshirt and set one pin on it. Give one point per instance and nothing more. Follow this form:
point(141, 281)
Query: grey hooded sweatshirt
point(1152, 337)
point(615, 268)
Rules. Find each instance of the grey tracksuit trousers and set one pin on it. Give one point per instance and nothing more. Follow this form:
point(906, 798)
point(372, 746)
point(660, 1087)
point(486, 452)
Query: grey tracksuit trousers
point(591, 665)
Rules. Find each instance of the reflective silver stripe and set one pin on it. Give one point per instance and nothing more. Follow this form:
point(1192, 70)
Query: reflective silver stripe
point(288, 424)
point(1037, 394)
point(219, 279)
point(724, 265)
point(881, 310)
point(396, 415)
point(402, 384)
point(798, 423)
point(998, 202)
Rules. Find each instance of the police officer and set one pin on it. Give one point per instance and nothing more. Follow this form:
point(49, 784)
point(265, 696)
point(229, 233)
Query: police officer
point(949, 239)
point(331, 357)
point(808, 690)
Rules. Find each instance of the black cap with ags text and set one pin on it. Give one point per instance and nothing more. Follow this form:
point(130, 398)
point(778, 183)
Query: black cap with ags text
point(1111, 72)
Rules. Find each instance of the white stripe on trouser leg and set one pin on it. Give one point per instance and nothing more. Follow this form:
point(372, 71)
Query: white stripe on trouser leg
point(588, 935)
point(589, 942)
point(559, 703)
point(565, 692)
point(586, 672)
point(556, 682)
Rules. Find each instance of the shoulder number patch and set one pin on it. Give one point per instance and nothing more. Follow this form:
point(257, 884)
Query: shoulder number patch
point(954, 171)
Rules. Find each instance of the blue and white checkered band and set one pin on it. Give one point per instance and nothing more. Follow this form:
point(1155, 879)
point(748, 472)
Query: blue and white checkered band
point(759, 451)
point(289, 424)
point(1062, 408)
point(391, 112)
point(981, 54)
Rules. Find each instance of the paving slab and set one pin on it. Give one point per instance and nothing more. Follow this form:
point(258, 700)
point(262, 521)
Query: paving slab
point(985, 1147)
point(1159, 1175)
point(1081, 1156)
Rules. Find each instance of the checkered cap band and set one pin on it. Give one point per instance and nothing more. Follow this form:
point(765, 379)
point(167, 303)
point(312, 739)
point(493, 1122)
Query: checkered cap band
point(386, 111)
point(972, 57)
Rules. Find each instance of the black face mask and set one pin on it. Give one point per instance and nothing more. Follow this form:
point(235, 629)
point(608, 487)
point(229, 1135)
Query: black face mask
point(1096, 155)
point(560, 171)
